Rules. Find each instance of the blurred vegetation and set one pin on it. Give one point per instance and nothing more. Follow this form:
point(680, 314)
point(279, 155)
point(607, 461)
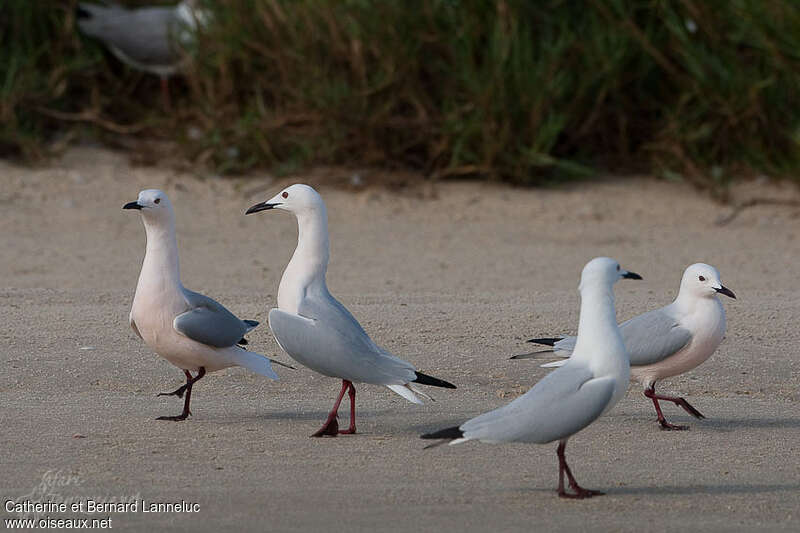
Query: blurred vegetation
point(521, 90)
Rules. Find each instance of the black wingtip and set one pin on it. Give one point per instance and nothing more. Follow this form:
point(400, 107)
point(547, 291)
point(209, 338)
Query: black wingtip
point(424, 379)
point(531, 355)
point(547, 341)
point(251, 323)
point(449, 434)
point(242, 342)
point(82, 13)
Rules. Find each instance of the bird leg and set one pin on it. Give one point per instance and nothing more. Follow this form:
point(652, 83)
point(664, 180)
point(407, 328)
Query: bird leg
point(180, 390)
point(580, 493)
point(352, 393)
point(188, 390)
point(331, 426)
point(651, 393)
point(165, 99)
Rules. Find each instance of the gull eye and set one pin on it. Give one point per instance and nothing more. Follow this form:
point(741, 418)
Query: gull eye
point(702, 278)
point(157, 200)
point(285, 194)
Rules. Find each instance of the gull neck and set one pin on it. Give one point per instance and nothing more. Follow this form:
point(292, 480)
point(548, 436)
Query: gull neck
point(309, 264)
point(161, 253)
point(597, 326)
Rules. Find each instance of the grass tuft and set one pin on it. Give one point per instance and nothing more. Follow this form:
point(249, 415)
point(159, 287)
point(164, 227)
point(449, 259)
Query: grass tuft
point(529, 92)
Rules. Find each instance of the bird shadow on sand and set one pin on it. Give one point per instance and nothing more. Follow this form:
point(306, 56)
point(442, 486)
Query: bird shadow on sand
point(344, 415)
point(732, 424)
point(678, 490)
point(739, 488)
point(722, 425)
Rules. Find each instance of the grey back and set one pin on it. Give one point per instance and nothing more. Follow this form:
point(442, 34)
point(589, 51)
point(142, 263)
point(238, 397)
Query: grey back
point(145, 35)
point(649, 338)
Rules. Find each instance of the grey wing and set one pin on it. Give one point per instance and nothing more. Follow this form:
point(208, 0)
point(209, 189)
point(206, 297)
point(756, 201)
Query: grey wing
point(325, 337)
point(374, 362)
point(144, 35)
point(653, 336)
point(209, 322)
point(561, 404)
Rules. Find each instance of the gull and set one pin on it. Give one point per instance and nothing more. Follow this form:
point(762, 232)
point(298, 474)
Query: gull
point(318, 331)
point(668, 341)
point(567, 400)
point(146, 38)
point(191, 331)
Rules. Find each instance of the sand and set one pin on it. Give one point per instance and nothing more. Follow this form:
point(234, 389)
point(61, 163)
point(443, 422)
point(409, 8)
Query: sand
point(453, 277)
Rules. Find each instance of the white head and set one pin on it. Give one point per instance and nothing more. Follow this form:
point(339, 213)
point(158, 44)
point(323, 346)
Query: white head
point(154, 206)
point(298, 199)
point(605, 272)
point(703, 281)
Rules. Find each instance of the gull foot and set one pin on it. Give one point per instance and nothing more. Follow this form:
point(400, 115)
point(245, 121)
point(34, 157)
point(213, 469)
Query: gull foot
point(176, 418)
point(330, 429)
point(580, 493)
point(689, 408)
point(666, 426)
point(177, 392)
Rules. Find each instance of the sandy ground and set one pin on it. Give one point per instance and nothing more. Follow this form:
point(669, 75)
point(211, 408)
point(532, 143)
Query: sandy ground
point(453, 278)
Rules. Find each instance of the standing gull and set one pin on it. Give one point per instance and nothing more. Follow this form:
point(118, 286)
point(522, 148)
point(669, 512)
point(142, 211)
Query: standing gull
point(146, 38)
point(565, 401)
point(668, 341)
point(318, 331)
point(191, 331)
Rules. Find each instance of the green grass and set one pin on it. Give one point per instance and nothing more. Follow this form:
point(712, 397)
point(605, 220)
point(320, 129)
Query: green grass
point(526, 91)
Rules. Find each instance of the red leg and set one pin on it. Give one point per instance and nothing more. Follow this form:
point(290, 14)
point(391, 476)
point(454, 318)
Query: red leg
point(580, 493)
point(651, 393)
point(352, 392)
point(188, 390)
point(331, 426)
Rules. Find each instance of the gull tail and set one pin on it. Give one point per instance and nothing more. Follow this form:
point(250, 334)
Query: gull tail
point(424, 379)
point(531, 355)
point(547, 341)
point(406, 392)
point(420, 392)
point(453, 435)
point(255, 362)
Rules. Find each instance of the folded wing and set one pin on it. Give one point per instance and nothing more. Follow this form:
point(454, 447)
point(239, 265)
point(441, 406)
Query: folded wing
point(325, 337)
point(561, 404)
point(209, 322)
point(653, 336)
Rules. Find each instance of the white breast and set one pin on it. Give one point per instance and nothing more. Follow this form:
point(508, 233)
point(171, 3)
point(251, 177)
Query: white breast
point(707, 324)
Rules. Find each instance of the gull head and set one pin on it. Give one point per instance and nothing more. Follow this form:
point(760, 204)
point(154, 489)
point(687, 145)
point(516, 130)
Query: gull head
point(153, 204)
point(703, 281)
point(604, 271)
point(297, 199)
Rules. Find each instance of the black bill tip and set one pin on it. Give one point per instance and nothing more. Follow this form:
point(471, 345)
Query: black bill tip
point(132, 205)
point(726, 291)
point(263, 206)
point(631, 275)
